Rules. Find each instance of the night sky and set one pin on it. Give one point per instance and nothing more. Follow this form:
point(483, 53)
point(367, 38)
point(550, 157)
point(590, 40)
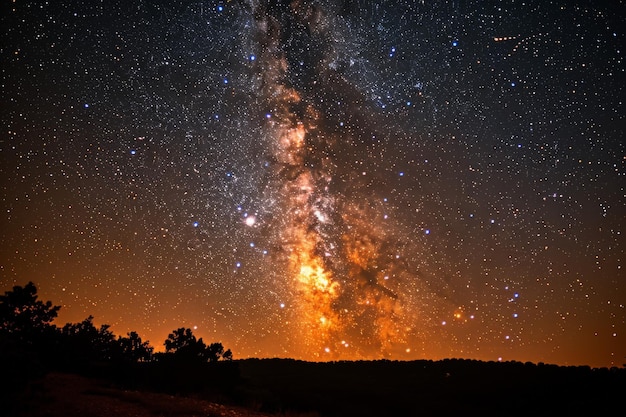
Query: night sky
point(322, 180)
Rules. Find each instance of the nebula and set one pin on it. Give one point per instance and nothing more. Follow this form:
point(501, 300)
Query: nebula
point(337, 256)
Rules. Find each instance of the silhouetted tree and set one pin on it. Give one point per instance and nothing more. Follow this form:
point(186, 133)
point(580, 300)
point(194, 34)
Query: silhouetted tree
point(133, 349)
point(214, 351)
point(23, 317)
point(182, 344)
point(85, 341)
point(27, 339)
point(179, 339)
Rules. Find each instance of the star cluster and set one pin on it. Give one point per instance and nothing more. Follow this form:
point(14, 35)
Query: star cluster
point(322, 180)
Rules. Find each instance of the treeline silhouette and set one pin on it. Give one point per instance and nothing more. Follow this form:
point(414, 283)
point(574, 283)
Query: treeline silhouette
point(31, 345)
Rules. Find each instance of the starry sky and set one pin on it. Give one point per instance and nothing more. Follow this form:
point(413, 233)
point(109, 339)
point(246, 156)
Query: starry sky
point(321, 179)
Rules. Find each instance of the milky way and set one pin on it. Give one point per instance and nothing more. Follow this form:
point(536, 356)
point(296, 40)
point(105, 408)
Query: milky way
point(322, 180)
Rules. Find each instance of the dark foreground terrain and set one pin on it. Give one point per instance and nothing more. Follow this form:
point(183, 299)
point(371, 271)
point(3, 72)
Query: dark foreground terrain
point(293, 388)
point(71, 395)
point(442, 388)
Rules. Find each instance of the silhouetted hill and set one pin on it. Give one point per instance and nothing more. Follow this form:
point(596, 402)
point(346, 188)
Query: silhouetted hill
point(432, 388)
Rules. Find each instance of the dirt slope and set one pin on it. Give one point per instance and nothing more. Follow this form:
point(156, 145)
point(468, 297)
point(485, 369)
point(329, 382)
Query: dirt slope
point(74, 396)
